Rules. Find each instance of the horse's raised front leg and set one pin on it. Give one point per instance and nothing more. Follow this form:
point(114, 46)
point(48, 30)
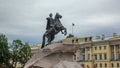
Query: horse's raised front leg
point(62, 32)
point(65, 31)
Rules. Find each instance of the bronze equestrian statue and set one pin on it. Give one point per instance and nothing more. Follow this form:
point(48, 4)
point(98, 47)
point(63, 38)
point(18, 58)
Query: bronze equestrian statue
point(53, 27)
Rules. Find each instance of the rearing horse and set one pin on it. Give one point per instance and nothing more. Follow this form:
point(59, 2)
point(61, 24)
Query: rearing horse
point(50, 34)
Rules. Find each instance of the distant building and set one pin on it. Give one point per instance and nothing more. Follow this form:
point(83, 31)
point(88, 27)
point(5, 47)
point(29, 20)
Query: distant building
point(36, 48)
point(101, 52)
point(68, 40)
point(98, 53)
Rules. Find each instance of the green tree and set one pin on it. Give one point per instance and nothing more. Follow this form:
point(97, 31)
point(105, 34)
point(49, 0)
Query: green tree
point(4, 51)
point(21, 52)
point(70, 35)
point(16, 46)
point(25, 54)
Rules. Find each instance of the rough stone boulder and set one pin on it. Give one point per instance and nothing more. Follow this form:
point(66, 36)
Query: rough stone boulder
point(67, 64)
point(56, 55)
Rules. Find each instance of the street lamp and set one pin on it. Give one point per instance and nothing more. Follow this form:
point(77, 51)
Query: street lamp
point(72, 28)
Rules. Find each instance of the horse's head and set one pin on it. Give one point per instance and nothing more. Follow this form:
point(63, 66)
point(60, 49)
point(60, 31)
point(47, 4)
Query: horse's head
point(59, 25)
point(57, 16)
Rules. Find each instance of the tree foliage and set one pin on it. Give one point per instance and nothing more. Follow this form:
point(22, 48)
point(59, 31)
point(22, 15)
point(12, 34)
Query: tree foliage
point(4, 51)
point(16, 46)
point(17, 52)
point(25, 54)
point(21, 52)
point(70, 35)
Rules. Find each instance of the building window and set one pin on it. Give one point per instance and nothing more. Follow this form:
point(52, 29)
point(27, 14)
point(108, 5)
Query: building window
point(82, 65)
point(100, 47)
point(105, 56)
point(96, 65)
point(85, 39)
point(83, 50)
point(117, 64)
point(90, 38)
point(72, 41)
point(88, 66)
point(95, 56)
point(100, 65)
point(105, 47)
point(76, 40)
point(100, 56)
point(119, 57)
point(112, 65)
point(105, 65)
point(95, 48)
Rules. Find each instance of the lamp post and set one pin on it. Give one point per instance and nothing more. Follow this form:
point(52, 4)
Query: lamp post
point(72, 28)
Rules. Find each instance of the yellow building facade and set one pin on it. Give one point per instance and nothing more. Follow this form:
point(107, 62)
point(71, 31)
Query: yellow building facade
point(98, 54)
point(36, 48)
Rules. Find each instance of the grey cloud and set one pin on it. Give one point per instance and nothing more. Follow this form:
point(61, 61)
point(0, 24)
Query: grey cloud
point(26, 19)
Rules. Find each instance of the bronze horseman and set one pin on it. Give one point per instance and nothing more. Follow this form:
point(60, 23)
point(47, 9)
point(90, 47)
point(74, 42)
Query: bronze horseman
point(53, 27)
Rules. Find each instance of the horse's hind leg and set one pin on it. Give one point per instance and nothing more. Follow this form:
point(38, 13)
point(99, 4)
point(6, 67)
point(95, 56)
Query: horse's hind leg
point(43, 42)
point(52, 37)
point(49, 40)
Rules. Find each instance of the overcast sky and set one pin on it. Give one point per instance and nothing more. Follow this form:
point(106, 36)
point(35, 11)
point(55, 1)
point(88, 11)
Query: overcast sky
point(26, 19)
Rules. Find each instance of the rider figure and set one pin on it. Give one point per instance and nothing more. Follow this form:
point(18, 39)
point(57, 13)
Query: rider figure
point(50, 22)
